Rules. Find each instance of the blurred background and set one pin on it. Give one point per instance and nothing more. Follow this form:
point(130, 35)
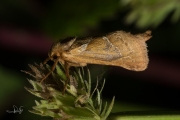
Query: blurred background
point(29, 27)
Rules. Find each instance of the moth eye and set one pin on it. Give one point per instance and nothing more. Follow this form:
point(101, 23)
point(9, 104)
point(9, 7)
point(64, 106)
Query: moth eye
point(54, 57)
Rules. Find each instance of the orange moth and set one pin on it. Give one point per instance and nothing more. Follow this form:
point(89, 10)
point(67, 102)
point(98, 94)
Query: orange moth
point(116, 49)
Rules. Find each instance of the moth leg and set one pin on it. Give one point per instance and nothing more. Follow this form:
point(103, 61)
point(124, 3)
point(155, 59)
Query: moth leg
point(66, 65)
point(52, 69)
point(46, 60)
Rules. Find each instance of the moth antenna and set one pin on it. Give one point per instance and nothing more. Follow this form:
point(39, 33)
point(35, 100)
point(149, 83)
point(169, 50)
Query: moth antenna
point(52, 69)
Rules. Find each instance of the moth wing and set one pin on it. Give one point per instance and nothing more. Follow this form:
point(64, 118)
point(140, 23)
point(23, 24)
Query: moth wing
point(98, 48)
point(116, 49)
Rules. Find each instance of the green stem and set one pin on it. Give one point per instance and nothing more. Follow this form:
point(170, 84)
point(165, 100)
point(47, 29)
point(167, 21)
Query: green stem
point(146, 115)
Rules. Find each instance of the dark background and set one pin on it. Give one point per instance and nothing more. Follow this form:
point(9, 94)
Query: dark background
point(28, 28)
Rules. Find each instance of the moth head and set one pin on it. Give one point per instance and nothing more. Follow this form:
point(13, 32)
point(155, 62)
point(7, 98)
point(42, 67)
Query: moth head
point(55, 51)
point(59, 47)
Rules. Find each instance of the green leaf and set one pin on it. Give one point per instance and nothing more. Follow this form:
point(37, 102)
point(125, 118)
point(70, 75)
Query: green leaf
point(60, 73)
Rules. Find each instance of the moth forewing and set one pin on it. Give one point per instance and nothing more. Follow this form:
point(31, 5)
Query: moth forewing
point(116, 49)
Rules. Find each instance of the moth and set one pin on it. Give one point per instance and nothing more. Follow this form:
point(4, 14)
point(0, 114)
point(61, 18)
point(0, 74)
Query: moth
point(116, 49)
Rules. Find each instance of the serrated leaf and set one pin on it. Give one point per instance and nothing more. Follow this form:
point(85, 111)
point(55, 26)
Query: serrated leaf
point(109, 108)
point(98, 98)
point(89, 82)
point(36, 85)
point(102, 86)
point(37, 103)
point(60, 73)
point(104, 110)
point(34, 92)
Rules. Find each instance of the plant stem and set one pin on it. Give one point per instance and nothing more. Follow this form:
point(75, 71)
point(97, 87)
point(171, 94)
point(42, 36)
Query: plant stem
point(146, 115)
